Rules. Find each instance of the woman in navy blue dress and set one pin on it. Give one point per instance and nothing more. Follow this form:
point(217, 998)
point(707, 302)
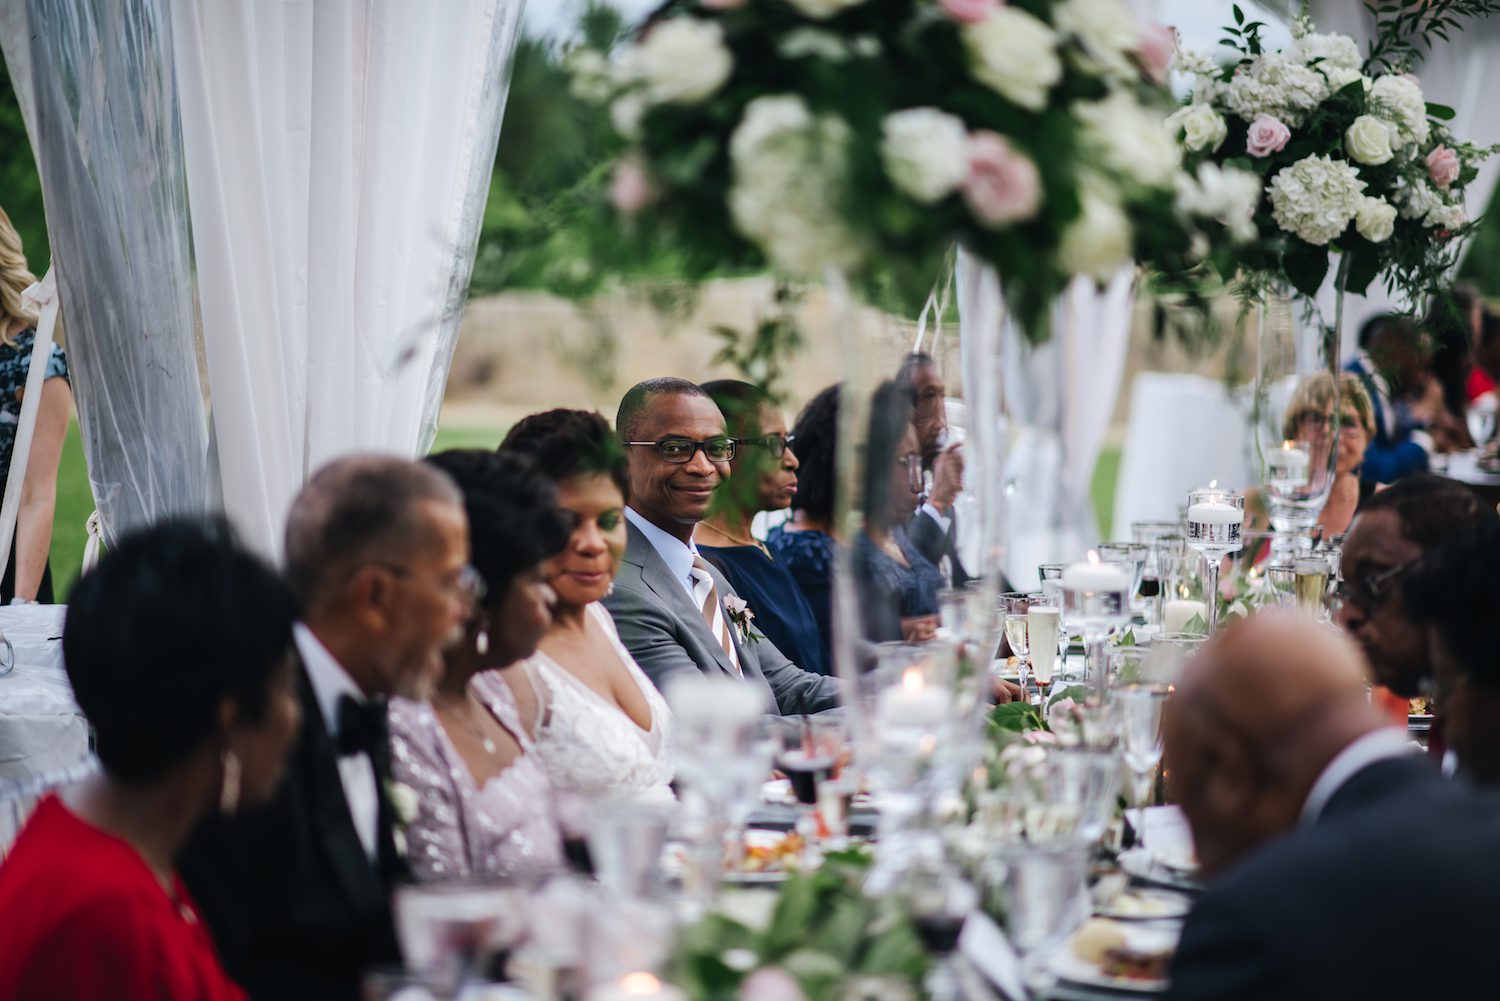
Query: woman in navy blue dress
point(27, 575)
point(763, 477)
point(804, 544)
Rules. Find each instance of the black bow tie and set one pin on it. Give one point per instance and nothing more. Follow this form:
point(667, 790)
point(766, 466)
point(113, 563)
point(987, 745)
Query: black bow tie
point(361, 725)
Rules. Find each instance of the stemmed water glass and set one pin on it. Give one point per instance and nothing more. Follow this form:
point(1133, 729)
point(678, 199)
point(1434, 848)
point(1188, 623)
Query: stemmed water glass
point(1096, 600)
point(1132, 556)
point(1138, 710)
point(940, 900)
point(1215, 519)
point(1481, 421)
point(1043, 897)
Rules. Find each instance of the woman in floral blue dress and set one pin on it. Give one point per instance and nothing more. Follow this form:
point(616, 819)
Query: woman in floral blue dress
point(27, 575)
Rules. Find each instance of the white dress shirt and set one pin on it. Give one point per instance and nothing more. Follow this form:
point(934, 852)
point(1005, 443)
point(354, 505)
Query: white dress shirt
point(1377, 745)
point(677, 554)
point(356, 773)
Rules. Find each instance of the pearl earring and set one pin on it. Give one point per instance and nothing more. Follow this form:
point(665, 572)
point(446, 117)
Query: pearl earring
point(482, 642)
point(229, 788)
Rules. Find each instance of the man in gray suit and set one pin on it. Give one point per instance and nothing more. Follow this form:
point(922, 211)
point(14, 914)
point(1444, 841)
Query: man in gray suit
point(674, 611)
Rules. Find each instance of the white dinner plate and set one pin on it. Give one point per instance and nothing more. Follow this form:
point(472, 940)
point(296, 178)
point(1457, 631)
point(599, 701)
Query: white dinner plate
point(1066, 965)
point(1174, 873)
point(1147, 905)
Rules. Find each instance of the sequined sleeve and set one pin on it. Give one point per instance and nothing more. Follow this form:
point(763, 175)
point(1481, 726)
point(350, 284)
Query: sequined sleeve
point(434, 838)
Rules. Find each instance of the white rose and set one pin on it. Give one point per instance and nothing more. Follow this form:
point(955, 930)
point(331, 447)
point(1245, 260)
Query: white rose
point(1014, 54)
point(821, 10)
point(925, 152)
point(1098, 242)
point(1316, 198)
point(1375, 219)
point(1131, 138)
point(682, 60)
point(1107, 28)
point(1368, 141)
point(790, 175)
point(1201, 127)
point(405, 801)
point(1401, 97)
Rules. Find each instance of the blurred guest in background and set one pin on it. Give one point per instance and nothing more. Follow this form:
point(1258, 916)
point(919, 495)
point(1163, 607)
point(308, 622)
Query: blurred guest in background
point(762, 477)
point(608, 732)
point(1455, 593)
point(804, 544)
point(27, 575)
point(480, 793)
point(1394, 530)
point(1487, 355)
point(675, 612)
point(1310, 418)
point(933, 528)
point(898, 585)
point(1452, 322)
point(1392, 366)
point(298, 894)
point(1301, 801)
point(178, 647)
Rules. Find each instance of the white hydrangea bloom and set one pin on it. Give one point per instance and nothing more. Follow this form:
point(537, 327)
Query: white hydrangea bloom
point(925, 152)
point(1130, 138)
point(1401, 97)
point(789, 178)
point(1196, 62)
point(1275, 85)
point(1225, 194)
point(1316, 198)
point(1098, 242)
point(1015, 55)
point(682, 60)
point(821, 10)
point(1416, 200)
point(1108, 30)
point(1335, 50)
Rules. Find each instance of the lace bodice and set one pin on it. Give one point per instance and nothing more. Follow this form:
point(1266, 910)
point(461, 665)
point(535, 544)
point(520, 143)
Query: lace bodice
point(589, 745)
point(461, 831)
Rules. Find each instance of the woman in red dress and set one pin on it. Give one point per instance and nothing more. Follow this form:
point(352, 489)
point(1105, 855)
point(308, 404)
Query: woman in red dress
point(178, 649)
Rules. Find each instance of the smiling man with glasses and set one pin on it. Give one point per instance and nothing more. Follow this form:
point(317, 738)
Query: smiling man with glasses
point(1394, 532)
point(670, 605)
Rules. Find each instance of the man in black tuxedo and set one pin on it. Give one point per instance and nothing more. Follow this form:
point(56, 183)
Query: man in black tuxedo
point(297, 895)
point(933, 529)
point(1340, 865)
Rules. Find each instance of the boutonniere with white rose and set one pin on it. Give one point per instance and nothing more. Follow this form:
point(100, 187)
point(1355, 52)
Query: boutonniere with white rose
point(737, 609)
point(405, 803)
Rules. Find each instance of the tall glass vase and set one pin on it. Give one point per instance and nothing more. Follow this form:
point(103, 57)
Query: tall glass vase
point(909, 683)
point(1295, 416)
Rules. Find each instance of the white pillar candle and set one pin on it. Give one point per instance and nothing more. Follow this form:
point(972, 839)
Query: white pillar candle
point(1215, 513)
point(1179, 612)
point(637, 987)
point(914, 703)
point(1095, 577)
point(1290, 456)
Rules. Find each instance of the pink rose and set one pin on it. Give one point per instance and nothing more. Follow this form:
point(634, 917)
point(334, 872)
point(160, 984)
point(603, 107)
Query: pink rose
point(721, 4)
point(771, 983)
point(630, 190)
point(1157, 48)
point(1266, 135)
point(970, 11)
point(1003, 186)
point(1442, 166)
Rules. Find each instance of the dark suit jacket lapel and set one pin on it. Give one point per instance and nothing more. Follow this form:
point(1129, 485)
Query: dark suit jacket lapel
point(657, 576)
point(1376, 782)
point(332, 822)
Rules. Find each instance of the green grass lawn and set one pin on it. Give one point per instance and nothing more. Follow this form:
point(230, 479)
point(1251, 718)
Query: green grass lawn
point(75, 501)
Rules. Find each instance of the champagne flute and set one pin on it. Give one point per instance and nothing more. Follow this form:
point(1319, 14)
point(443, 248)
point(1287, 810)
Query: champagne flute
point(1043, 630)
point(1310, 583)
point(1013, 606)
point(1138, 708)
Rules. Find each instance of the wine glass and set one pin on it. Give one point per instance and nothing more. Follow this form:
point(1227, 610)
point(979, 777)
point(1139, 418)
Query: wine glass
point(1132, 556)
point(939, 900)
point(1138, 709)
point(1013, 606)
point(1096, 600)
point(1481, 421)
point(1042, 896)
point(455, 934)
point(1215, 519)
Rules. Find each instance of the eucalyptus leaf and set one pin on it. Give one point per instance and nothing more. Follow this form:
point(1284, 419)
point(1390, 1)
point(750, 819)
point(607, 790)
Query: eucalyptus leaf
point(1196, 626)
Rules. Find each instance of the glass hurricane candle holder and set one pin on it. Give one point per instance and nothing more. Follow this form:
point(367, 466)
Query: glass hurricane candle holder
point(1215, 519)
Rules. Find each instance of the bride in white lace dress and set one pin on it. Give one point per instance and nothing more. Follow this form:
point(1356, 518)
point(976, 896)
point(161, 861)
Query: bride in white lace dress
point(606, 732)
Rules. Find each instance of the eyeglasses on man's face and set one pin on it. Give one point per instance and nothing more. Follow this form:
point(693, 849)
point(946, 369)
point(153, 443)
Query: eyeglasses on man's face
point(678, 450)
point(466, 583)
point(776, 444)
point(1366, 593)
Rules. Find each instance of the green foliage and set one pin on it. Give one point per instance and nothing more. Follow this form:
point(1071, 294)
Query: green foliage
point(1404, 31)
point(20, 188)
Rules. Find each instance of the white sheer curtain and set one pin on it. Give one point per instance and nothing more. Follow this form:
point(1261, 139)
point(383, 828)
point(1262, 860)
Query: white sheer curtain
point(338, 156)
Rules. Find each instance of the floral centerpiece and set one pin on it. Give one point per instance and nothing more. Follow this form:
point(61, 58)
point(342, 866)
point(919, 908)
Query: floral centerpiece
point(1347, 154)
point(869, 136)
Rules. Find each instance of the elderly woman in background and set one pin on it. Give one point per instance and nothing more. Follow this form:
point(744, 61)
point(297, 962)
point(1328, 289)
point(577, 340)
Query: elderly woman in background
point(763, 477)
point(27, 575)
point(1310, 417)
point(178, 647)
point(482, 795)
point(607, 733)
point(804, 544)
